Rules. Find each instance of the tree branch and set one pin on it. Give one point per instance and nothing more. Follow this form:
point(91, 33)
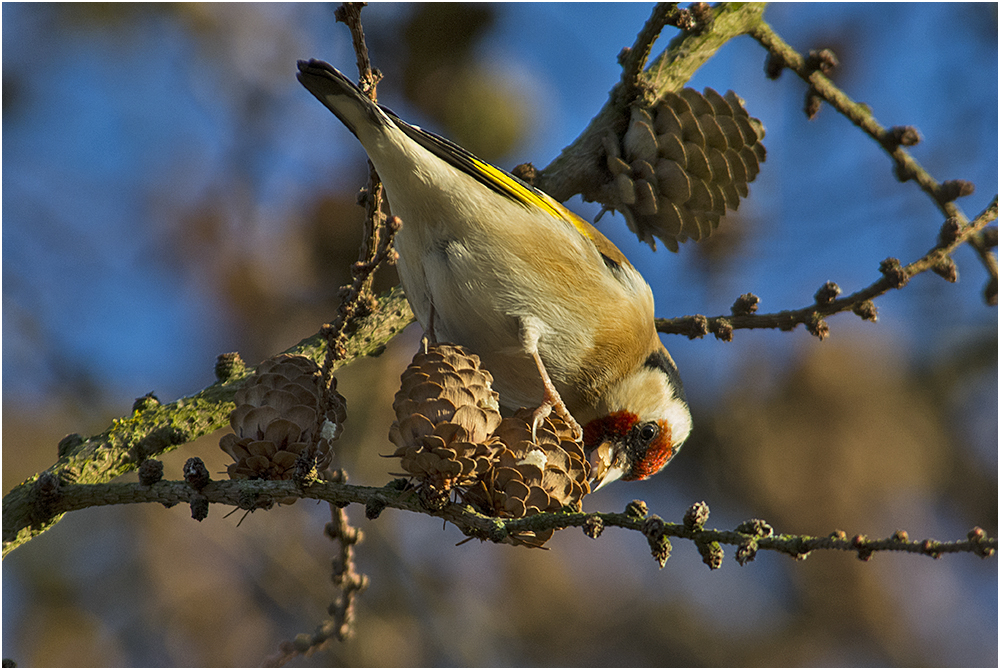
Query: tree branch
point(633, 59)
point(51, 497)
point(943, 194)
point(893, 276)
point(158, 429)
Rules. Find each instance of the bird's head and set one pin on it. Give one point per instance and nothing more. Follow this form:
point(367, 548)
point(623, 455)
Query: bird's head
point(646, 422)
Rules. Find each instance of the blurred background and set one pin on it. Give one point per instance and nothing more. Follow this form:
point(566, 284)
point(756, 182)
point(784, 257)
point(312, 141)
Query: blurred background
point(172, 193)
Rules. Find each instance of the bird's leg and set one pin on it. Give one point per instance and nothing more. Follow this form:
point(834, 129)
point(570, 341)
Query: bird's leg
point(429, 337)
point(551, 400)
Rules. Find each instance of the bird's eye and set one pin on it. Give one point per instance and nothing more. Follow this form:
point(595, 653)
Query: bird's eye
point(648, 432)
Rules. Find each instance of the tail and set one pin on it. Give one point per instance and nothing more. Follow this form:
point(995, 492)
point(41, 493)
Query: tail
point(341, 96)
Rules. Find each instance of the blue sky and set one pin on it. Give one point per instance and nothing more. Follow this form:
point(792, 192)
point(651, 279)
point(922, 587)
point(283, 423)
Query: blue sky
point(84, 158)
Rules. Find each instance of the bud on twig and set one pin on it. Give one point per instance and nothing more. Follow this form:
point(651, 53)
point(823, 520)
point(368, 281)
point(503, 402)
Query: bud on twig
point(950, 230)
point(228, 366)
point(990, 292)
point(774, 66)
point(196, 474)
point(827, 293)
point(813, 102)
point(696, 516)
point(906, 136)
point(593, 527)
point(746, 304)
point(955, 189)
point(823, 60)
point(757, 527)
point(374, 507)
point(637, 508)
point(723, 330)
point(746, 552)
point(818, 327)
point(698, 327)
point(150, 472)
point(199, 507)
point(892, 270)
point(990, 237)
point(866, 310)
point(711, 554)
point(946, 268)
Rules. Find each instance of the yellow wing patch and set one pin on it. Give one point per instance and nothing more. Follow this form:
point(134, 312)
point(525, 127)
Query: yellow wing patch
point(535, 198)
point(504, 182)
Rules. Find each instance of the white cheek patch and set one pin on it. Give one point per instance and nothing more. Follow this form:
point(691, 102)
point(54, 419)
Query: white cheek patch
point(678, 417)
point(648, 394)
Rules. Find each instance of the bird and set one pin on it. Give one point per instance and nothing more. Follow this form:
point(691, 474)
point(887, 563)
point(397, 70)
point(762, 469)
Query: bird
point(553, 309)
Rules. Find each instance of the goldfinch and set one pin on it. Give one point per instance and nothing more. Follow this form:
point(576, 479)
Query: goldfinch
point(553, 309)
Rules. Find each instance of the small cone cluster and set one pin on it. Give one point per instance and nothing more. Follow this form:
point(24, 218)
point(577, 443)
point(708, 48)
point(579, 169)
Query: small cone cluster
point(446, 411)
point(530, 476)
point(682, 163)
point(275, 420)
point(449, 437)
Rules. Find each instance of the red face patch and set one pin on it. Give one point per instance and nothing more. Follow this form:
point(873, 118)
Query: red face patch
point(643, 459)
point(659, 453)
point(614, 427)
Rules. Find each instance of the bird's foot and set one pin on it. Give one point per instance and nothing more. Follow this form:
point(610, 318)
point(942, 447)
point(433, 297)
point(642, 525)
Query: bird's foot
point(552, 402)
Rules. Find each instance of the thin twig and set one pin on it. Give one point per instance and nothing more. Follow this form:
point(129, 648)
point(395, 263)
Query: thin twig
point(894, 276)
point(357, 300)
point(340, 625)
point(860, 115)
point(633, 59)
point(349, 13)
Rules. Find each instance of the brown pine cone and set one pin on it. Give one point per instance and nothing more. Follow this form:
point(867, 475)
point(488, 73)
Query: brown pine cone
point(446, 410)
point(530, 477)
point(682, 163)
point(275, 420)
